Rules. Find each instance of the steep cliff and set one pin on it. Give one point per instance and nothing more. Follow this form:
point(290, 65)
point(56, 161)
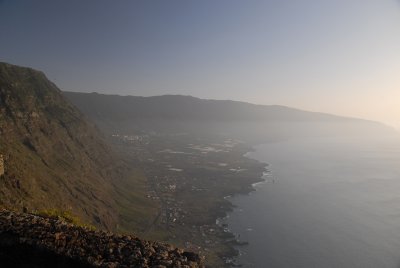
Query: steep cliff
point(53, 158)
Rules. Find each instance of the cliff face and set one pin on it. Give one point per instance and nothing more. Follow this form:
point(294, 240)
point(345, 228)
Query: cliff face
point(53, 158)
point(243, 121)
point(31, 241)
point(1, 165)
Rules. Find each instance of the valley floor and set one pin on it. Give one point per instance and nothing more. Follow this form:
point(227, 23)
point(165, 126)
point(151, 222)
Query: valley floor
point(189, 178)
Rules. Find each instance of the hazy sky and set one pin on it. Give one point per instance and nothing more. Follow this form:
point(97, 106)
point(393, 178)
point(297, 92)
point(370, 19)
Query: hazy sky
point(336, 56)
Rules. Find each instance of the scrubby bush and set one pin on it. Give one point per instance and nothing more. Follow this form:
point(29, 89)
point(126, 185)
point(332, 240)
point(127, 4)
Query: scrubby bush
point(66, 216)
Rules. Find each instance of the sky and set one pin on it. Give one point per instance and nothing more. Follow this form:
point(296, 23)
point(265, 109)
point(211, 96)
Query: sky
point(334, 56)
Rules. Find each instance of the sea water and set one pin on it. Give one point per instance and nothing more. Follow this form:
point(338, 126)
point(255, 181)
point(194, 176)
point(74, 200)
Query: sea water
point(325, 203)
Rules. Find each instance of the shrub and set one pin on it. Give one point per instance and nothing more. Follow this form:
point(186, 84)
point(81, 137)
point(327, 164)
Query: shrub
point(66, 216)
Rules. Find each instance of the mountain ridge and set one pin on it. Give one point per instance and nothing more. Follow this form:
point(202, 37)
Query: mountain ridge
point(53, 157)
point(181, 96)
point(185, 99)
point(187, 114)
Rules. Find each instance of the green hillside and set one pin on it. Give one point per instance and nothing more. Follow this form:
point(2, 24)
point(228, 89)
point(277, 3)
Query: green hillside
point(55, 159)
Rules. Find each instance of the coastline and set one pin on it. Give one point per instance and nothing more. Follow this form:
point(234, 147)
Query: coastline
point(321, 193)
point(232, 260)
point(183, 172)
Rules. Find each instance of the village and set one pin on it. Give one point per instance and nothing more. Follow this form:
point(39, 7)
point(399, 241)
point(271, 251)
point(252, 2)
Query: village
point(190, 178)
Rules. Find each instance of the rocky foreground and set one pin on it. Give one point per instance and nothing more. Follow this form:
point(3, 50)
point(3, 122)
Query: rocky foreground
point(28, 240)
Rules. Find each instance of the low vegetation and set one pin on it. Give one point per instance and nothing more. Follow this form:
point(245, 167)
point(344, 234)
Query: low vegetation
point(66, 216)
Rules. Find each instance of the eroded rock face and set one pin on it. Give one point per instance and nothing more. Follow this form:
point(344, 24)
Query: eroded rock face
point(1, 165)
point(52, 154)
point(28, 240)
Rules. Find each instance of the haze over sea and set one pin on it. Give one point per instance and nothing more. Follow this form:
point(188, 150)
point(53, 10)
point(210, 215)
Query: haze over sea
point(332, 202)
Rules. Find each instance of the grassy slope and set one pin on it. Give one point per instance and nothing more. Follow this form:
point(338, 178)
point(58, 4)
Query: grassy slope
point(135, 209)
point(55, 159)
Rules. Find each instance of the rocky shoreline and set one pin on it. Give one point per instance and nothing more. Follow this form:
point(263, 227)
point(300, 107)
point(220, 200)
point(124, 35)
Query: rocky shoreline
point(236, 243)
point(60, 244)
point(190, 176)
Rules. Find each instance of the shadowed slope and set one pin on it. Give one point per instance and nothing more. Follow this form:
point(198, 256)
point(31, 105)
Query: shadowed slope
point(53, 157)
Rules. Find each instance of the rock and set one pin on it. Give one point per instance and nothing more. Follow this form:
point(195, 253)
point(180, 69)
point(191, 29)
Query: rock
point(191, 257)
point(87, 248)
point(166, 262)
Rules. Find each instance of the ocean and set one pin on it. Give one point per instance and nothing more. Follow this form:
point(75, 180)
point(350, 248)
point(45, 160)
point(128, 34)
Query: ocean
point(332, 202)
